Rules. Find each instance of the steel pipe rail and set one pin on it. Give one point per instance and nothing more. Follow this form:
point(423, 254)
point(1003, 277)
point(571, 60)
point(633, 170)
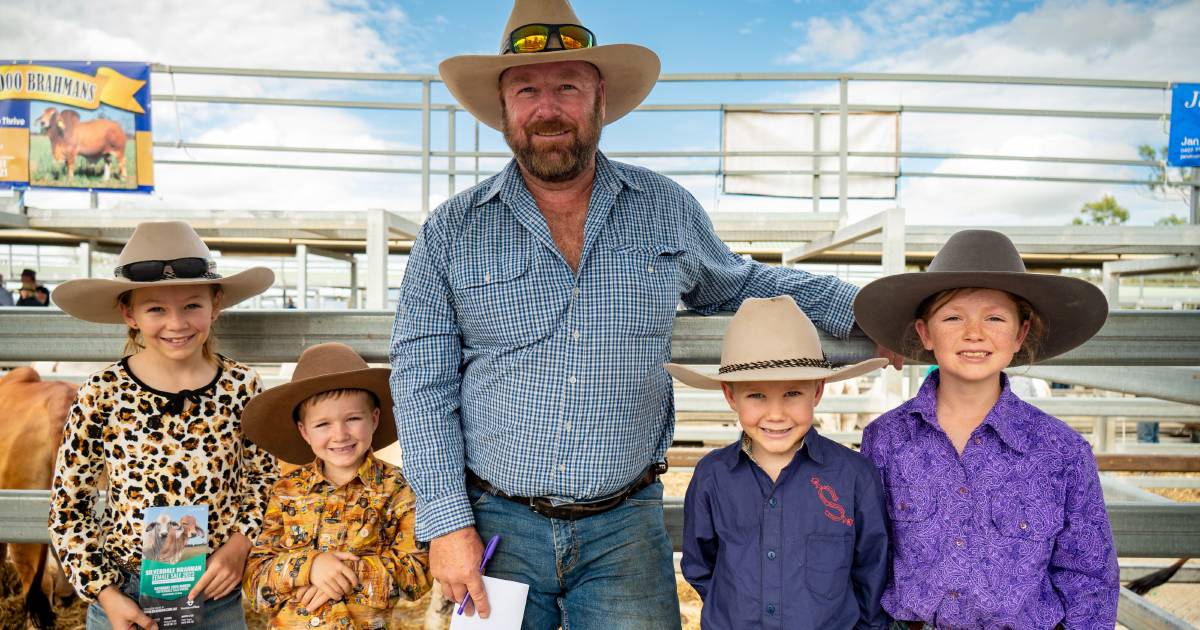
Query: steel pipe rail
point(1128, 337)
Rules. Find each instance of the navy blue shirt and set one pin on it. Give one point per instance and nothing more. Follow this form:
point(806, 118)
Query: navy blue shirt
point(808, 551)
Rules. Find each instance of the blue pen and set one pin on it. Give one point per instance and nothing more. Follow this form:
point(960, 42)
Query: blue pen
point(487, 555)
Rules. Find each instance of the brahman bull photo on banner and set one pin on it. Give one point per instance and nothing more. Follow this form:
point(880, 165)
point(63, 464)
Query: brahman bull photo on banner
point(75, 124)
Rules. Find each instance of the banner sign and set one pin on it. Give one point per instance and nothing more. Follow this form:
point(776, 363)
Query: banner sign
point(1184, 149)
point(75, 124)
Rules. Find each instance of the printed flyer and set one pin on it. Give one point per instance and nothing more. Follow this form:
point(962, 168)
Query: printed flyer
point(75, 124)
point(174, 553)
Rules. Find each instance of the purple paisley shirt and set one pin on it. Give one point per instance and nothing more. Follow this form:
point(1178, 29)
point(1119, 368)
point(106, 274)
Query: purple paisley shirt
point(1011, 534)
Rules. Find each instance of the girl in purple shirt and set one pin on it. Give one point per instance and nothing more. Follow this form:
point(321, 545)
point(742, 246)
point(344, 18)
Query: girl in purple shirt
point(996, 512)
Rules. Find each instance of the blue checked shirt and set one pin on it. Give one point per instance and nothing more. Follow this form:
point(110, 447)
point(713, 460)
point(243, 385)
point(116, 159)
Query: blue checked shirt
point(543, 381)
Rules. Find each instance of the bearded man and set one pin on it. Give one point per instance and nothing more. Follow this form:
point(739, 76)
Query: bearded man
point(534, 320)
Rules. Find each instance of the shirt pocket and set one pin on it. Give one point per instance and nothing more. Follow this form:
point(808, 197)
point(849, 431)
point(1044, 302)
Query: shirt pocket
point(1025, 515)
point(644, 286)
point(489, 286)
point(828, 561)
point(910, 504)
point(366, 521)
point(300, 518)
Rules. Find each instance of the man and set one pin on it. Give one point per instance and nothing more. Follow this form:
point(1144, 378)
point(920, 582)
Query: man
point(6, 298)
point(534, 319)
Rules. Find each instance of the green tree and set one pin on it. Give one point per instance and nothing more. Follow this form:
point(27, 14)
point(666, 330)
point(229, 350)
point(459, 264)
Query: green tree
point(1163, 176)
point(1172, 219)
point(1104, 212)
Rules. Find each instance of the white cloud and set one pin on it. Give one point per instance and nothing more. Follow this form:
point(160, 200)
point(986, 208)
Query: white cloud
point(1090, 39)
point(825, 40)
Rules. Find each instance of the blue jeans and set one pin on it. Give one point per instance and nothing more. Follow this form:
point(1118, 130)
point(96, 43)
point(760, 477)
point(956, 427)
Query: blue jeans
point(219, 614)
point(612, 571)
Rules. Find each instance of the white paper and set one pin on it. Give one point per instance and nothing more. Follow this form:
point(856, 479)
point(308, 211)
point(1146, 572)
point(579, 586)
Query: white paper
point(508, 607)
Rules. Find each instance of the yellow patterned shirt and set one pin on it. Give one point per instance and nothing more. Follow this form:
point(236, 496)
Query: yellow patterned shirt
point(371, 516)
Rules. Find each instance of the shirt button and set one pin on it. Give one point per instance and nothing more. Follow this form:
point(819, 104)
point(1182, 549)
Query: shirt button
point(771, 609)
point(978, 441)
point(571, 380)
point(958, 542)
point(487, 277)
point(567, 426)
point(1023, 525)
point(771, 555)
point(773, 502)
point(953, 594)
point(962, 490)
point(575, 291)
point(314, 622)
point(650, 269)
point(576, 334)
point(562, 468)
point(903, 506)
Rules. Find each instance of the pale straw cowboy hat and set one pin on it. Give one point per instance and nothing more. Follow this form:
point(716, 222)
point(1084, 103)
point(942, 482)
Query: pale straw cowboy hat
point(269, 418)
point(1072, 309)
point(771, 339)
point(629, 71)
point(95, 299)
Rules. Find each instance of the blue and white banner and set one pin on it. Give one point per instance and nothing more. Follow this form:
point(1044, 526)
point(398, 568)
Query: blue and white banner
point(1184, 149)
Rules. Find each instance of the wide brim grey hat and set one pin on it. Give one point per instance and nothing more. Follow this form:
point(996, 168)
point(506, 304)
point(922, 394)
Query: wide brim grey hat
point(771, 339)
point(629, 71)
point(95, 299)
point(1073, 310)
point(268, 419)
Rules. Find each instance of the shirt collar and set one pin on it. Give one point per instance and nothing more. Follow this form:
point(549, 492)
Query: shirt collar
point(370, 473)
point(607, 174)
point(809, 444)
point(1004, 417)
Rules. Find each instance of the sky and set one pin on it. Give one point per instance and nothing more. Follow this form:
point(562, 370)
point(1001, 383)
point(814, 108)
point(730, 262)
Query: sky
point(1083, 39)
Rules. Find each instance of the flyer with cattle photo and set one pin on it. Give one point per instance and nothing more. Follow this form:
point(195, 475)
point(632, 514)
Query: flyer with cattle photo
point(174, 553)
point(75, 124)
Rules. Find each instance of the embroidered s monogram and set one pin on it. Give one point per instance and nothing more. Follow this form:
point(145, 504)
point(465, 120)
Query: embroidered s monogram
point(829, 497)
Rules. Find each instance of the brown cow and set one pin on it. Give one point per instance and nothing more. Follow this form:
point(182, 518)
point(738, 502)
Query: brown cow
point(32, 415)
point(95, 140)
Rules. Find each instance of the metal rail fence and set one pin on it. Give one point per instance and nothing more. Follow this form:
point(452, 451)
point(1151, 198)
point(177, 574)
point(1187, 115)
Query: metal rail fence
point(842, 108)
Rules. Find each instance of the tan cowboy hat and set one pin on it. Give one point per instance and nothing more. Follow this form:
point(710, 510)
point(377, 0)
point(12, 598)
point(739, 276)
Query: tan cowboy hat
point(1072, 309)
point(95, 299)
point(771, 339)
point(629, 70)
point(269, 418)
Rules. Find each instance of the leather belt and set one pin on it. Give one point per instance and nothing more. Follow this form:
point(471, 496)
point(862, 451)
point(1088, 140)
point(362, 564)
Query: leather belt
point(573, 511)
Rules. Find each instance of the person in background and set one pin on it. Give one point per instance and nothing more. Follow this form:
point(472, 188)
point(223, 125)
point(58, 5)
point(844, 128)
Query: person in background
point(42, 295)
point(6, 298)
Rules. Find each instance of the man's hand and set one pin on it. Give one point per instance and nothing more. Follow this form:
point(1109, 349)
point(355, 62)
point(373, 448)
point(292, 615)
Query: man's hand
point(331, 574)
point(894, 359)
point(454, 561)
point(123, 613)
point(224, 571)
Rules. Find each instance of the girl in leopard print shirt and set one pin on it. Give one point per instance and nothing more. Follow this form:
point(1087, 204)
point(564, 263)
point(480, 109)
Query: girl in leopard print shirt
point(164, 425)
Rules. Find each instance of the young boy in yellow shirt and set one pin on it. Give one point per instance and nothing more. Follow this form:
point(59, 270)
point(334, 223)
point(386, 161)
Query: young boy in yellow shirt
point(337, 548)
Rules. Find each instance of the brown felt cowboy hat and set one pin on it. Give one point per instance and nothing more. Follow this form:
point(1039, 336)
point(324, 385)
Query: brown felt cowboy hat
point(1072, 309)
point(146, 261)
point(629, 71)
point(269, 418)
point(771, 339)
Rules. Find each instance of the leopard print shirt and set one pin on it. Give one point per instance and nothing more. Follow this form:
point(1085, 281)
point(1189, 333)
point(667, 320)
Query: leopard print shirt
point(157, 449)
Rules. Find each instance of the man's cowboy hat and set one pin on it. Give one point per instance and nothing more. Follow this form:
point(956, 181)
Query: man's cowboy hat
point(269, 418)
point(629, 71)
point(1072, 309)
point(771, 339)
point(95, 299)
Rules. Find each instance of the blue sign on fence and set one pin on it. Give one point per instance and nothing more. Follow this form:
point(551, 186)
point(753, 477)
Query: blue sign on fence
point(1184, 149)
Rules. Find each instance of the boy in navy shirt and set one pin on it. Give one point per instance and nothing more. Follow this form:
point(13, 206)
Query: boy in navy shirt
point(783, 528)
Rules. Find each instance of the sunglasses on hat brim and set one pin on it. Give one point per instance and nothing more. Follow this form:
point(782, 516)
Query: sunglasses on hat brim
point(533, 38)
point(154, 270)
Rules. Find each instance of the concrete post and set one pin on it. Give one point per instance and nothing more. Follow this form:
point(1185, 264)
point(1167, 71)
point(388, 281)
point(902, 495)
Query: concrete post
point(302, 276)
point(353, 284)
point(377, 259)
point(85, 259)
